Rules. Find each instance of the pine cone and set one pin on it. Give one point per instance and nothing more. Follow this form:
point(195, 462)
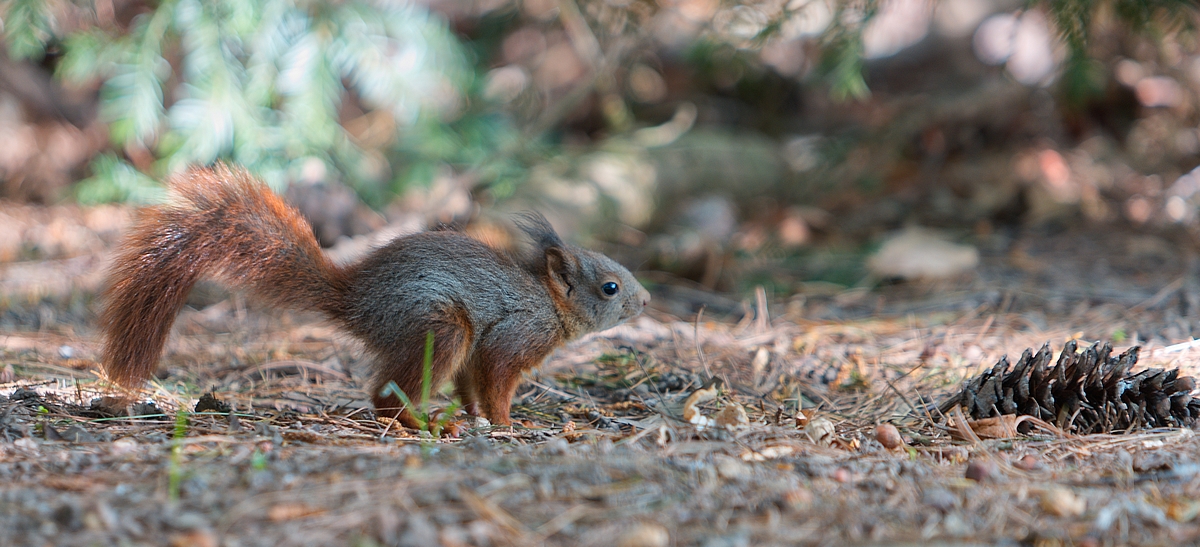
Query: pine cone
point(1084, 392)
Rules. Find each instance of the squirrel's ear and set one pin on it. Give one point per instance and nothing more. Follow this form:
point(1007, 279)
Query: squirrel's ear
point(560, 269)
point(539, 230)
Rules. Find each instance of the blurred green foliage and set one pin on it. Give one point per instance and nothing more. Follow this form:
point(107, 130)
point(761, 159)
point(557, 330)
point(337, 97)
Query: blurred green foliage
point(382, 95)
point(1083, 75)
point(271, 85)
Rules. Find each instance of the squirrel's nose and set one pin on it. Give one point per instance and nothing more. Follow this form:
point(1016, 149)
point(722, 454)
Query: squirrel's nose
point(644, 296)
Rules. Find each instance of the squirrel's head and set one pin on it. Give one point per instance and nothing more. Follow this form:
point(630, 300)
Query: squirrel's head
point(591, 290)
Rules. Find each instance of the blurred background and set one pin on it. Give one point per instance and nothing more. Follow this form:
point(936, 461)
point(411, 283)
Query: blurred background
point(802, 146)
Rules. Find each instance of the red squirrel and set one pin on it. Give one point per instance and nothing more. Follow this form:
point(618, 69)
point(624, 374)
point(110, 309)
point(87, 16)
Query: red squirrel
point(493, 313)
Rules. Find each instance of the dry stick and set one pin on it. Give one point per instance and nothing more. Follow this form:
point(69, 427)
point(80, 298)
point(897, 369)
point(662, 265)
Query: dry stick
point(696, 341)
point(762, 321)
point(302, 365)
point(986, 325)
point(494, 513)
point(902, 396)
point(662, 406)
point(1159, 296)
point(564, 519)
point(549, 389)
point(960, 424)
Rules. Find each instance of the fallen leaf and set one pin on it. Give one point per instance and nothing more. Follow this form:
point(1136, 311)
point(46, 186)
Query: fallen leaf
point(918, 253)
point(819, 431)
point(1183, 510)
point(692, 414)
point(1004, 427)
point(733, 416)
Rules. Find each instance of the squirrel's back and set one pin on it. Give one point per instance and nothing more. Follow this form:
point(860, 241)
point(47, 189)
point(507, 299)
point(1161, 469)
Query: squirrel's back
point(219, 222)
point(426, 274)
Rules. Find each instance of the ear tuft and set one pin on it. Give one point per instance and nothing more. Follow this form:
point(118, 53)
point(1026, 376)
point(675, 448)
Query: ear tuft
point(539, 230)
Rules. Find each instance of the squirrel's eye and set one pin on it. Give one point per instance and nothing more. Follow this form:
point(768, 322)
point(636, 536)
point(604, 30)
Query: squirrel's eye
point(610, 288)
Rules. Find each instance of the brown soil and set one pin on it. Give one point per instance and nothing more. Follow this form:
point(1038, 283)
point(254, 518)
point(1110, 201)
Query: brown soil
point(603, 455)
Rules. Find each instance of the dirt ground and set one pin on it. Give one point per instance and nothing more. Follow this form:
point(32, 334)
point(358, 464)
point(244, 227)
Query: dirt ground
point(603, 454)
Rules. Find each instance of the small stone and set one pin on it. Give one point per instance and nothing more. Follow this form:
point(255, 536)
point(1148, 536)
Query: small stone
point(1028, 462)
point(66, 352)
point(731, 468)
point(188, 521)
point(478, 444)
point(888, 436)
point(68, 516)
point(557, 446)
point(951, 454)
point(109, 406)
point(123, 446)
point(841, 475)
point(76, 434)
point(645, 534)
point(194, 538)
point(798, 498)
point(1062, 502)
point(1152, 461)
point(981, 470)
point(939, 498)
point(26, 443)
point(420, 532)
point(210, 403)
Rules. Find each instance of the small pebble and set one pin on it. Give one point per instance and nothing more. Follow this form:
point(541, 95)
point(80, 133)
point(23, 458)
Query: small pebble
point(1062, 502)
point(888, 436)
point(66, 352)
point(645, 534)
point(981, 470)
point(557, 446)
point(951, 454)
point(195, 539)
point(939, 498)
point(841, 475)
point(798, 498)
point(1028, 462)
point(731, 468)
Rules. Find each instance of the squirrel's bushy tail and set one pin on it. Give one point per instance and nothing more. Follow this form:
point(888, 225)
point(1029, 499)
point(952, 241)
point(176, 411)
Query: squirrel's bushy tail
point(221, 222)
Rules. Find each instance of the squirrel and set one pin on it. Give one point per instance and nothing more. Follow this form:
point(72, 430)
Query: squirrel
point(493, 313)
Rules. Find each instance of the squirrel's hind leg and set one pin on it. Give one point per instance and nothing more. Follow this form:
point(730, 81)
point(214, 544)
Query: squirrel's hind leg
point(404, 364)
point(466, 390)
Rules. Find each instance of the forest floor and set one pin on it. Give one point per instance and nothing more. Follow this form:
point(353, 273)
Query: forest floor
point(602, 454)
